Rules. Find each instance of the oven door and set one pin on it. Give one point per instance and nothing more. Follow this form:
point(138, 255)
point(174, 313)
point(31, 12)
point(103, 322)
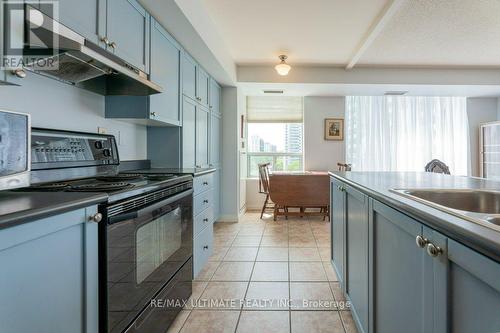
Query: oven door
point(145, 249)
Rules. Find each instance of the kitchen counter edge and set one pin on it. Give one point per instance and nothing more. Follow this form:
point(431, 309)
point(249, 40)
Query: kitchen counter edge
point(481, 239)
point(45, 204)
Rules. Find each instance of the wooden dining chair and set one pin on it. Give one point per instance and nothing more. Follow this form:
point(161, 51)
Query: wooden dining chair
point(344, 166)
point(264, 187)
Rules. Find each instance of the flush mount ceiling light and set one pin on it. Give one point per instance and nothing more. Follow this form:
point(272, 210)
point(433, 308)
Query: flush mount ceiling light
point(283, 68)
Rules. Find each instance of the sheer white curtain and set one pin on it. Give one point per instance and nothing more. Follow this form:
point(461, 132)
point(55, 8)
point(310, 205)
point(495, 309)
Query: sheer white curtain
point(393, 133)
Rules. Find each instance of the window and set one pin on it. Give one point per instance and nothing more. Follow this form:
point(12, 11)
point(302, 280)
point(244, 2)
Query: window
point(274, 133)
point(394, 133)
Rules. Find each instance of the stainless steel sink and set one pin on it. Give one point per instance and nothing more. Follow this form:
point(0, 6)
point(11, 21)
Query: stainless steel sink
point(479, 206)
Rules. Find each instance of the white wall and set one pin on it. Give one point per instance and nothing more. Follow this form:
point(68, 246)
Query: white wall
point(321, 154)
point(53, 104)
point(479, 111)
point(230, 186)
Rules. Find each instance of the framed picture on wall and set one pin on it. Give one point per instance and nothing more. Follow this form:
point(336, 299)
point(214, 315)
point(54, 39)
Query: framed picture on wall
point(334, 129)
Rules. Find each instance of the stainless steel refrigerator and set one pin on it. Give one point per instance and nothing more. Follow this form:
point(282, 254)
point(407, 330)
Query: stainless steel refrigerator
point(490, 150)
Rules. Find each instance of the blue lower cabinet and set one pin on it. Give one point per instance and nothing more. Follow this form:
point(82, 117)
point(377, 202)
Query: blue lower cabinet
point(203, 213)
point(49, 279)
point(402, 276)
point(398, 284)
point(338, 226)
point(356, 256)
point(216, 195)
point(202, 248)
point(466, 294)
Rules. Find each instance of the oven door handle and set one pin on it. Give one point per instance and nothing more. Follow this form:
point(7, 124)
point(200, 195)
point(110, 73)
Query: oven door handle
point(148, 209)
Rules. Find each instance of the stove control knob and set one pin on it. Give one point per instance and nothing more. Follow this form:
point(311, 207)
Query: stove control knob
point(106, 152)
point(98, 144)
point(96, 218)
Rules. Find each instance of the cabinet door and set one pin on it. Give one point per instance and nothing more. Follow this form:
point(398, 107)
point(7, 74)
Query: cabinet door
point(202, 137)
point(188, 134)
point(85, 17)
point(202, 84)
point(214, 140)
point(466, 288)
point(356, 239)
point(165, 71)
point(128, 26)
point(50, 261)
point(188, 76)
point(216, 195)
point(338, 224)
point(399, 280)
point(215, 95)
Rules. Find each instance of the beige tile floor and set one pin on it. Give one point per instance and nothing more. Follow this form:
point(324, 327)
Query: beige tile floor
point(259, 276)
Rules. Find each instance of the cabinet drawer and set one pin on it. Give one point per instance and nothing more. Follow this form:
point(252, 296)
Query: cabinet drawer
point(202, 249)
point(203, 183)
point(201, 221)
point(202, 201)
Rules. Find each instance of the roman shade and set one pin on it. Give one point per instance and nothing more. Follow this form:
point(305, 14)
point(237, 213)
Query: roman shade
point(274, 109)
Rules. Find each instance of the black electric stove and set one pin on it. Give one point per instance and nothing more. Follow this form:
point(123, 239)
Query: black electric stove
point(118, 186)
point(145, 236)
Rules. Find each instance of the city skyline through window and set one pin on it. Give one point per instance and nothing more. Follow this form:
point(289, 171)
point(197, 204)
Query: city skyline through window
point(277, 143)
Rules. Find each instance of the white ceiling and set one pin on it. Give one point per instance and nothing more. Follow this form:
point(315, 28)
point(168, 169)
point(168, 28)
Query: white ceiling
point(312, 31)
point(419, 32)
point(439, 33)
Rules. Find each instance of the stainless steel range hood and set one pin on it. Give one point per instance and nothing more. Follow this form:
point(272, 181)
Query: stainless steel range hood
point(77, 61)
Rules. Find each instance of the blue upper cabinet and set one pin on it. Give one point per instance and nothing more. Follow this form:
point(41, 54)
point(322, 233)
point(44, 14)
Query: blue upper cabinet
point(202, 86)
point(195, 81)
point(215, 96)
point(127, 31)
point(202, 123)
point(214, 153)
point(189, 76)
point(85, 17)
point(161, 109)
point(165, 71)
point(188, 133)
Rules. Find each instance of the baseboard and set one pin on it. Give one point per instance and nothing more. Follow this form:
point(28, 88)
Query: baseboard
point(227, 218)
point(254, 208)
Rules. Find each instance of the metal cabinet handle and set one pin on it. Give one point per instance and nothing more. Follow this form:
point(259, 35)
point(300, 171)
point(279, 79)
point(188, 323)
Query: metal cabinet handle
point(205, 247)
point(421, 241)
point(105, 40)
point(153, 114)
point(433, 250)
point(205, 220)
point(198, 166)
point(205, 201)
point(96, 218)
point(205, 183)
point(113, 45)
point(20, 73)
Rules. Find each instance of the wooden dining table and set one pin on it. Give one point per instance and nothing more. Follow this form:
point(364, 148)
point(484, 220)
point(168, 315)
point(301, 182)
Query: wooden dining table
point(304, 193)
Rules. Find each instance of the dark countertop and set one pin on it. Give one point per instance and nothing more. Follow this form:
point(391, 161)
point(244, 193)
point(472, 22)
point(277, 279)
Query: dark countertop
point(21, 207)
point(378, 184)
point(195, 172)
